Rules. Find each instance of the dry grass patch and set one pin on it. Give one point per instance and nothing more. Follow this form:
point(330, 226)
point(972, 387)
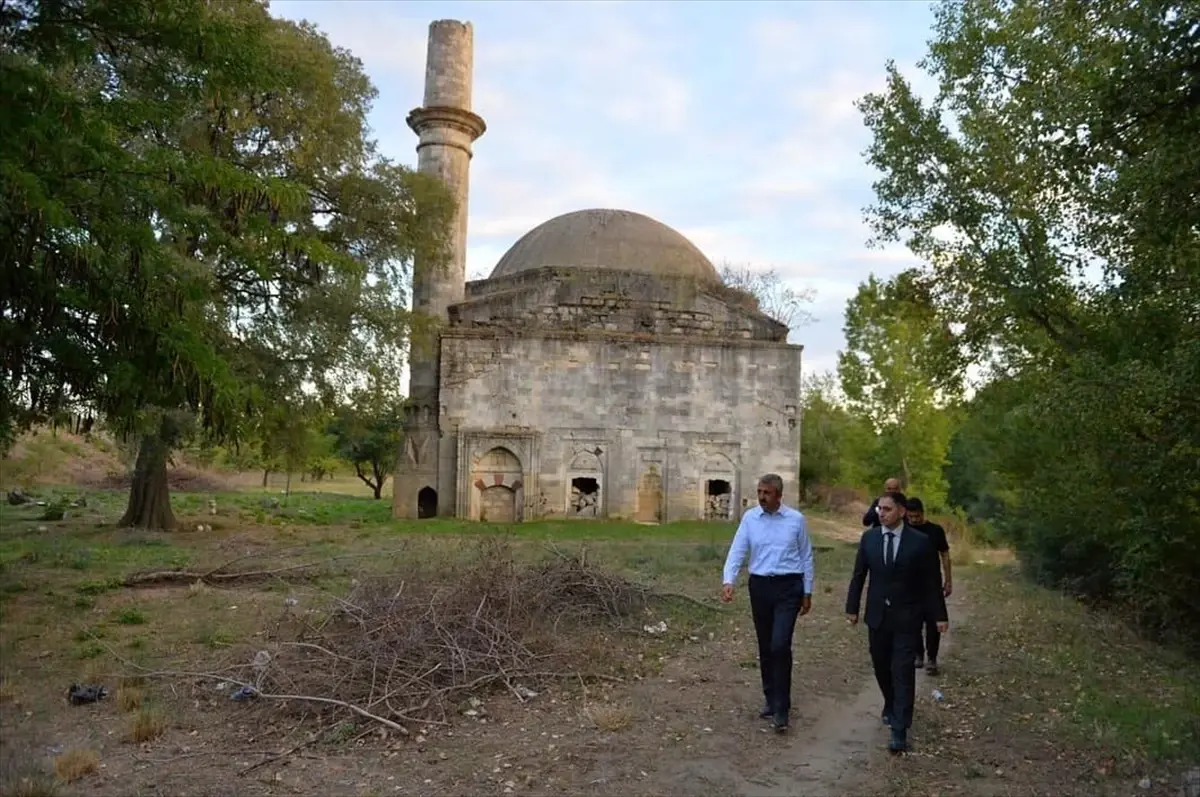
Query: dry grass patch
point(38, 786)
point(130, 698)
point(1046, 697)
point(8, 693)
point(76, 763)
point(147, 725)
point(610, 717)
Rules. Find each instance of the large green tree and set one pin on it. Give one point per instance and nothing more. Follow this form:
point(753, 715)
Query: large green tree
point(196, 220)
point(836, 446)
point(1053, 189)
point(893, 376)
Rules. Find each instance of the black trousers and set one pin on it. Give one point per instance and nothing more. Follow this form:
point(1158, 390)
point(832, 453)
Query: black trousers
point(775, 605)
point(893, 655)
point(932, 640)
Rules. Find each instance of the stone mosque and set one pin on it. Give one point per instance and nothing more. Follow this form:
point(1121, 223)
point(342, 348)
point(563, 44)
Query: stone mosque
point(602, 369)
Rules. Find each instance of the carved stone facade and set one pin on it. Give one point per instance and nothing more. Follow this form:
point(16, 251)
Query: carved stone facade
point(602, 370)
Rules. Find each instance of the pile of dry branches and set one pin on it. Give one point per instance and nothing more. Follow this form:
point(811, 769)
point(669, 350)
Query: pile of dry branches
point(400, 650)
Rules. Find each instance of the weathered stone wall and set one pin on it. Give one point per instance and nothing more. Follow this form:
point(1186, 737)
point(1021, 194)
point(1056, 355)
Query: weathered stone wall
point(600, 299)
point(650, 422)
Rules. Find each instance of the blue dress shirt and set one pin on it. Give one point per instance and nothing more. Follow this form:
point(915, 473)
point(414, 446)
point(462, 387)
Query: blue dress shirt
point(777, 543)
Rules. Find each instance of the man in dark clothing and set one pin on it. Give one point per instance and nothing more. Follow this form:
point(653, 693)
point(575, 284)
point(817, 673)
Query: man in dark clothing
point(904, 589)
point(871, 516)
point(927, 648)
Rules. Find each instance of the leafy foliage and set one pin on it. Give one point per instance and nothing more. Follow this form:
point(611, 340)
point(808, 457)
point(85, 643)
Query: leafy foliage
point(368, 430)
point(895, 378)
point(1051, 186)
point(195, 215)
point(835, 444)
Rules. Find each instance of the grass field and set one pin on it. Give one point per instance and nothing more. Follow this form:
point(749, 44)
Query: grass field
point(1041, 696)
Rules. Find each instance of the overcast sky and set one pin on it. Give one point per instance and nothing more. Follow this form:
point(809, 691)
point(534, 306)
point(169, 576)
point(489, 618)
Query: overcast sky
point(731, 122)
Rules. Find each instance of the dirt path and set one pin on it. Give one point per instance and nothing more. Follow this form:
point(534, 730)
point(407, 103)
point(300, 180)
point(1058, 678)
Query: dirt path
point(828, 750)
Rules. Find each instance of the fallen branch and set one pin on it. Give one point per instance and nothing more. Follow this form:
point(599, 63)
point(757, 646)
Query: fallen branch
point(218, 575)
point(417, 647)
point(212, 578)
point(329, 701)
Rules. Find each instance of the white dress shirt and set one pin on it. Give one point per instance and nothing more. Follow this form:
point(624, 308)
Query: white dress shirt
point(776, 542)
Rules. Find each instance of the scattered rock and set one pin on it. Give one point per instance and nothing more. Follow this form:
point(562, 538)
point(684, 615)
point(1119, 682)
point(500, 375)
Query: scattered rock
point(261, 661)
point(585, 503)
point(717, 507)
point(18, 497)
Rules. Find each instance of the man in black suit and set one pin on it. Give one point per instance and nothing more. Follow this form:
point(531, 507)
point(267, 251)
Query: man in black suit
point(904, 590)
point(871, 516)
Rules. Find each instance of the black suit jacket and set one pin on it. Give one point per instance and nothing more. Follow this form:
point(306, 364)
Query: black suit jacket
point(905, 593)
point(871, 516)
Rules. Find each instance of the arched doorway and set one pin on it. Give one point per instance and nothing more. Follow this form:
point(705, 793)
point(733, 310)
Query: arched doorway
point(498, 494)
point(584, 475)
point(427, 503)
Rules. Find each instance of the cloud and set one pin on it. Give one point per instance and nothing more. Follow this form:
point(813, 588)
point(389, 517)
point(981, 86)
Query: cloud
point(733, 123)
point(395, 46)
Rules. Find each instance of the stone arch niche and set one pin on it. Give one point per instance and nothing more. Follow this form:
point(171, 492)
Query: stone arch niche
point(498, 494)
point(585, 484)
point(427, 501)
point(718, 478)
point(649, 496)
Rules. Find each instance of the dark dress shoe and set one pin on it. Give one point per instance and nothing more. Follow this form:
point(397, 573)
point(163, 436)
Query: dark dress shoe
point(932, 668)
point(780, 722)
point(899, 741)
point(767, 712)
point(920, 662)
point(887, 718)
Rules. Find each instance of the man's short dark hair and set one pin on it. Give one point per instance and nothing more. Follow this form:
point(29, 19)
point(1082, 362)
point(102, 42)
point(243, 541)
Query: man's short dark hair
point(773, 480)
point(897, 498)
point(915, 505)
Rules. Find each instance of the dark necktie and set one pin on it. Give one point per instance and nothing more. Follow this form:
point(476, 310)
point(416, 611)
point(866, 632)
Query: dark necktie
point(889, 555)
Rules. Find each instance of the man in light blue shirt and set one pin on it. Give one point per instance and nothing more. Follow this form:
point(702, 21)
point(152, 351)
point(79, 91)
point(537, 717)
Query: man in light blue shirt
point(775, 537)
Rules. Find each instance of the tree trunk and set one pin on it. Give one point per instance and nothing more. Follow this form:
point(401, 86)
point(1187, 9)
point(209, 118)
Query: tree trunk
point(379, 479)
point(149, 496)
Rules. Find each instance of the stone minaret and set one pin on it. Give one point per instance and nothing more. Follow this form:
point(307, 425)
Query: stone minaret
point(446, 128)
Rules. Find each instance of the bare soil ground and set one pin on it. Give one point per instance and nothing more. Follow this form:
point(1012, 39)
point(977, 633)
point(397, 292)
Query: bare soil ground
point(1034, 702)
